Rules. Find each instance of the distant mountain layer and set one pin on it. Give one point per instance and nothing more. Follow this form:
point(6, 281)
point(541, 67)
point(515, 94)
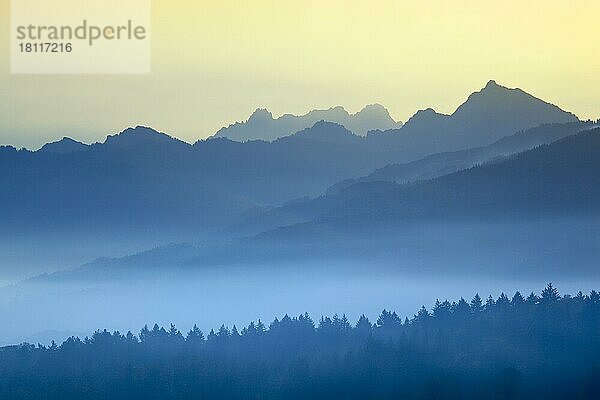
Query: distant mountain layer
point(543, 204)
point(551, 180)
point(448, 162)
point(141, 178)
point(546, 200)
point(262, 126)
point(144, 180)
point(432, 166)
point(486, 116)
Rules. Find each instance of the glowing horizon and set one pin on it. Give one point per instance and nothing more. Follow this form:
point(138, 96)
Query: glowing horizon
point(214, 64)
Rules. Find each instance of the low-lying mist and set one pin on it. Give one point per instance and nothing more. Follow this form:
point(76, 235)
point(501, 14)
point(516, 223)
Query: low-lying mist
point(399, 269)
point(238, 296)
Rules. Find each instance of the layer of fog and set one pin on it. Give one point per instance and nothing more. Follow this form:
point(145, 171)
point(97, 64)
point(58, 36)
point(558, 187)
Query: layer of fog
point(238, 296)
point(399, 270)
point(26, 254)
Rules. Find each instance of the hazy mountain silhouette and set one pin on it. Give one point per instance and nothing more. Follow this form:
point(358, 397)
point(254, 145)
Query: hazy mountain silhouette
point(136, 179)
point(429, 167)
point(142, 182)
point(486, 116)
point(537, 190)
point(548, 194)
point(302, 164)
point(63, 146)
point(555, 179)
point(326, 134)
point(145, 185)
point(262, 126)
point(141, 136)
point(445, 163)
point(526, 217)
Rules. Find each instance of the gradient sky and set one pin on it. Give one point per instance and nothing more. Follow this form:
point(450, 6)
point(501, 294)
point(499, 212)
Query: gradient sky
point(214, 62)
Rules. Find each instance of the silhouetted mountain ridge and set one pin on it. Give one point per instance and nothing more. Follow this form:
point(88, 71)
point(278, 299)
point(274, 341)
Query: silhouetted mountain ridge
point(140, 136)
point(558, 178)
point(485, 117)
point(432, 166)
point(326, 132)
point(262, 126)
point(537, 189)
point(445, 163)
point(141, 180)
point(63, 146)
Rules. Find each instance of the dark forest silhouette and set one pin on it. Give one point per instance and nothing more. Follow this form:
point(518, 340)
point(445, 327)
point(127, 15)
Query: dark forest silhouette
point(544, 346)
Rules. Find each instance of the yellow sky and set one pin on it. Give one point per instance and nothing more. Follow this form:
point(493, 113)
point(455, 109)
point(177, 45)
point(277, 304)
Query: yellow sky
point(214, 62)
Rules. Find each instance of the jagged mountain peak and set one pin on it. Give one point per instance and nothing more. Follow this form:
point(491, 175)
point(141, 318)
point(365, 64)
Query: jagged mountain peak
point(487, 115)
point(262, 126)
point(492, 84)
point(504, 101)
point(261, 114)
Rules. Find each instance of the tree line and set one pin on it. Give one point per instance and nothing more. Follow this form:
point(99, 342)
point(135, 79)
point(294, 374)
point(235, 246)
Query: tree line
point(535, 346)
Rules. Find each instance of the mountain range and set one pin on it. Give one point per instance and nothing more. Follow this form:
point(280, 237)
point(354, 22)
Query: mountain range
point(262, 126)
point(548, 186)
point(151, 188)
point(430, 167)
point(445, 163)
point(485, 117)
point(506, 187)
